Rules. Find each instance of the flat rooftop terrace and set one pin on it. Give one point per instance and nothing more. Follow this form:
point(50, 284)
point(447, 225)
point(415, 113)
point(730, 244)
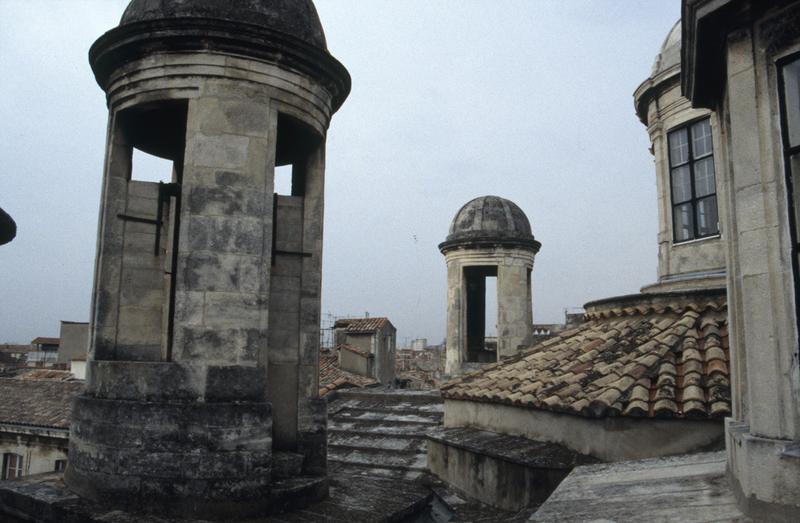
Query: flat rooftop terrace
point(690, 488)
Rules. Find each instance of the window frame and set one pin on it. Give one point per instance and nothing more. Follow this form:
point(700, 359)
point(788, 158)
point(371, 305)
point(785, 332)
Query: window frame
point(694, 200)
point(18, 468)
point(788, 151)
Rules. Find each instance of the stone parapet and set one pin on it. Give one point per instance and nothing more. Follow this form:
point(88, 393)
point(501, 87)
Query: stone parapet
point(764, 473)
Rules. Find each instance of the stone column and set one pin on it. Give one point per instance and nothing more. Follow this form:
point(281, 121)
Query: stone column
point(514, 320)
point(456, 310)
point(110, 235)
point(226, 230)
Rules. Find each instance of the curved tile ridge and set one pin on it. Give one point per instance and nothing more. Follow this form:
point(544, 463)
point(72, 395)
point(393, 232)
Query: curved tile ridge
point(661, 362)
point(640, 310)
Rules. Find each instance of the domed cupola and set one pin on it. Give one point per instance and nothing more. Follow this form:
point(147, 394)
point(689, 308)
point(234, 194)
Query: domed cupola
point(286, 32)
point(490, 220)
point(296, 18)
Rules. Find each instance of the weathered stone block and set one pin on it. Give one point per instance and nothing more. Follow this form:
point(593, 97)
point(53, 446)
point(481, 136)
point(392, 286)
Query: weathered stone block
point(235, 383)
point(224, 151)
point(218, 234)
point(229, 309)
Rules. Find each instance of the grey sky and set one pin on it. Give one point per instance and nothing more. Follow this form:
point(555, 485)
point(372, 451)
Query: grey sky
point(528, 100)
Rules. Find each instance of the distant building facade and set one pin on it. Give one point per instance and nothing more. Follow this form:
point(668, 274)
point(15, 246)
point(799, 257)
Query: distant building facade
point(421, 369)
point(44, 352)
point(74, 347)
point(34, 425)
point(368, 347)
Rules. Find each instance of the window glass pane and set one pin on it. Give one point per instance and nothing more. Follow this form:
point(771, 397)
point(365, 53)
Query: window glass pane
point(679, 147)
point(704, 177)
point(794, 178)
point(707, 219)
point(681, 184)
point(701, 139)
point(791, 93)
point(683, 222)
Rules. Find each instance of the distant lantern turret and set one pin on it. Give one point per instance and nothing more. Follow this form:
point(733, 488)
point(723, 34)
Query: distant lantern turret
point(204, 336)
point(489, 236)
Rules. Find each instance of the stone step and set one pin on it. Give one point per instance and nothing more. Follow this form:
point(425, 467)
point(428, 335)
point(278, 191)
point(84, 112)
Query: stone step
point(371, 440)
point(352, 469)
point(400, 417)
point(408, 396)
point(381, 406)
point(393, 428)
point(379, 458)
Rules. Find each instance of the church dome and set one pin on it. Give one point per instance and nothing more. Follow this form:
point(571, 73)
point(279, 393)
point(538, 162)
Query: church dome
point(490, 220)
point(670, 53)
point(297, 18)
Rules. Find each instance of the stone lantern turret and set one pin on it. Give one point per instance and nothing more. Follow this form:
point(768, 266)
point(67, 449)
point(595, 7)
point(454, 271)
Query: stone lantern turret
point(489, 236)
point(203, 368)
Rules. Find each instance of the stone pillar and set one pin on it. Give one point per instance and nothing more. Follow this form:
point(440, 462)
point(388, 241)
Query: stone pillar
point(456, 349)
point(763, 436)
point(514, 307)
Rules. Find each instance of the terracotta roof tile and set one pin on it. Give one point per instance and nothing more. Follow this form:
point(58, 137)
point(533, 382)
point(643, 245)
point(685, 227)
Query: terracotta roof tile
point(40, 403)
point(362, 325)
point(43, 340)
point(664, 360)
point(332, 377)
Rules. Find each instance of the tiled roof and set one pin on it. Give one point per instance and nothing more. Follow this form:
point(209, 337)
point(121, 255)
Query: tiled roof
point(362, 325)
point(653, 358)
point(356, 350)
point(45, 374)
point(41, 403)
point(42, 340)
point(10, 347)
point(332, 377)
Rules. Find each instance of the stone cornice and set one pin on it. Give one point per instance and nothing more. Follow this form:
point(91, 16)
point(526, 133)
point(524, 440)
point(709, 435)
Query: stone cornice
point(651, 88)
point(136, 40)
point(487, 244)
point(703, 33)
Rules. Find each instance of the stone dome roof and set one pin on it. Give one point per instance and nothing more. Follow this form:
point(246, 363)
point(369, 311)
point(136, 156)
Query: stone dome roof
point(490, 220)
point(670, 53)
point(297, 18)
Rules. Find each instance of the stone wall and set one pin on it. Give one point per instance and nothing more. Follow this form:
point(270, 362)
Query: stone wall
point(608, 439)
point(39, 448)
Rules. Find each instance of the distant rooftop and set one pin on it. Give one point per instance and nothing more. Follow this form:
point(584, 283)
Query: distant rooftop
point(332, 377)
point(43, 340)
point(39, 403)
point(362, 325)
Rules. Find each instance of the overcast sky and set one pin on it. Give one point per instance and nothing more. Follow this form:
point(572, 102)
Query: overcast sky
point(530, 100)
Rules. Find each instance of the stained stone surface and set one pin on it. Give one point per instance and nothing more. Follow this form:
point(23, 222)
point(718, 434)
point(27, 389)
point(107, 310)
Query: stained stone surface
point(690, 488)
point(297, 18)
